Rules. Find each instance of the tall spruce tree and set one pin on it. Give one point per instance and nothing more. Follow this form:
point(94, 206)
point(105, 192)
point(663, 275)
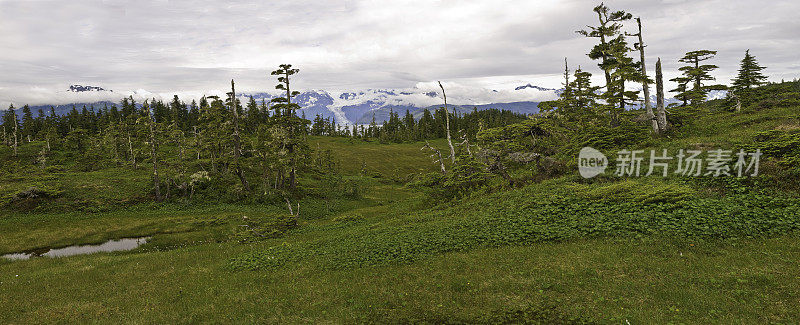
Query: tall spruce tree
point(11, 122)
point(28, 123)
point(294, 126)
point(585, 96)
point(749, 74)
point(612, 52)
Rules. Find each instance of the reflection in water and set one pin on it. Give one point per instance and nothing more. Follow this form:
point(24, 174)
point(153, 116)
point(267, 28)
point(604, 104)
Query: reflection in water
point(109, 246)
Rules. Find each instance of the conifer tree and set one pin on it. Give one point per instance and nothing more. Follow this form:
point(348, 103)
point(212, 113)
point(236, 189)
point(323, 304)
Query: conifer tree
point(612, 51)
point(749, 74)
point(585, 95)
point(151, 123)
point(578, 101)
point(11, 118)
point(697, 74)
point(681, 90)
point(28, 123)
point(294, 126)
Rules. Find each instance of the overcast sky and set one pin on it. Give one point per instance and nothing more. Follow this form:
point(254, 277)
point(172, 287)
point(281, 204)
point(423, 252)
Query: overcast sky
point(198, 46)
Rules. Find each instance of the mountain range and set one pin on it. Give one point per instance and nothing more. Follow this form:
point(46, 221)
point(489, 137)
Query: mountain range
point(360, 107)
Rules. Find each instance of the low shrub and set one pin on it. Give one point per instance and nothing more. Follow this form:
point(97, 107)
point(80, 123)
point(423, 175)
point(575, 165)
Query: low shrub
point(530, 215)
point(349, 217)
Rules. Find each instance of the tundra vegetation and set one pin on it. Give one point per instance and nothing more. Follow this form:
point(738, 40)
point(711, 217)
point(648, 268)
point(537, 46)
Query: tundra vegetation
point(258, 214)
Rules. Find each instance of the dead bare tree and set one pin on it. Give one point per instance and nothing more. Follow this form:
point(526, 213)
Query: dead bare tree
point(237, 145)
point(16, 131)
point(153, 152)
point(295, 214)
point(738, 101)
point(465, 143)
point(447, 126)
point(437, 155)
point(645, 86)
point(661, 118)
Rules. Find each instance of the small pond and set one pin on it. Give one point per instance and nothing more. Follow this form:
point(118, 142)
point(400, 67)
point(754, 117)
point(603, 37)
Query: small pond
point(123, 244)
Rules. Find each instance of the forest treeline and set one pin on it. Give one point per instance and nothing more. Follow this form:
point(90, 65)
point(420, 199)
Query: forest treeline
point(261, 145)
point(261, 148)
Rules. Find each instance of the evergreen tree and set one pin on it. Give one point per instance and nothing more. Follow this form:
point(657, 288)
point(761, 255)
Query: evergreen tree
point(28, 124)
point(578, 101)
point(585, 96)
point(749, 74)
point(697, 74)
point(612, 52)
point(293, 126)
point(11, 125)
point(681, 90)
point(565, 100)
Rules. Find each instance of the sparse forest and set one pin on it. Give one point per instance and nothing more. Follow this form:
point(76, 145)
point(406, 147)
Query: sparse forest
point(251, 211)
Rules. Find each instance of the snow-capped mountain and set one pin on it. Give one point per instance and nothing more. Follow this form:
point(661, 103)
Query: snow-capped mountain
point(529, 86)
point(359, 107)
point(352, 107)
point(80, 88)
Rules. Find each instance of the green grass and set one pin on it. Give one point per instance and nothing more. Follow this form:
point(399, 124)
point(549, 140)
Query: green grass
point(744, 281)
point(563, 250)
point(394, 161)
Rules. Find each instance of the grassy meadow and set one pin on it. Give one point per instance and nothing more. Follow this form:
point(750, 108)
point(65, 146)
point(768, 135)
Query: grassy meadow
point(558, 250)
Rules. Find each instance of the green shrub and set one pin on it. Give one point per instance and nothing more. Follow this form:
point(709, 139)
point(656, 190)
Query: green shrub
point(349, 217)
point(539, 214)
point(784, 146)
point(260, 228)
point(604, 137)
point(32, 196)
point(640, 191)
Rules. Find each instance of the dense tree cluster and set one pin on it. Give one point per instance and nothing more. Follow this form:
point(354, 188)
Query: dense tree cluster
point(585, 104)
point(429, 125)
point(262, 146)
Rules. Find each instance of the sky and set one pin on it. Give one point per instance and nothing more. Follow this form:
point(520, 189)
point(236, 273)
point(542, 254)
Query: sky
point(164, 47)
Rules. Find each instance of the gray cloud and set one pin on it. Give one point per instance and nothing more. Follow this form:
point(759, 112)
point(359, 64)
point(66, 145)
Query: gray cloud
point(196, 46)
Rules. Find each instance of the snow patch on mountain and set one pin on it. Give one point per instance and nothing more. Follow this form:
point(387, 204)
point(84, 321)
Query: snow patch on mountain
point(80, 88)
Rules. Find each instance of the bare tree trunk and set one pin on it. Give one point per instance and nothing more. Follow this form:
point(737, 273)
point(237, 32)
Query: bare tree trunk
point(130, 149)
point(447, 125)
point(436, 154)
point(645, 85)
point(465, 144)
point(661, 119)
point(237, 141)
point(16, 129)
point(153, 149)
point(604, 55)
